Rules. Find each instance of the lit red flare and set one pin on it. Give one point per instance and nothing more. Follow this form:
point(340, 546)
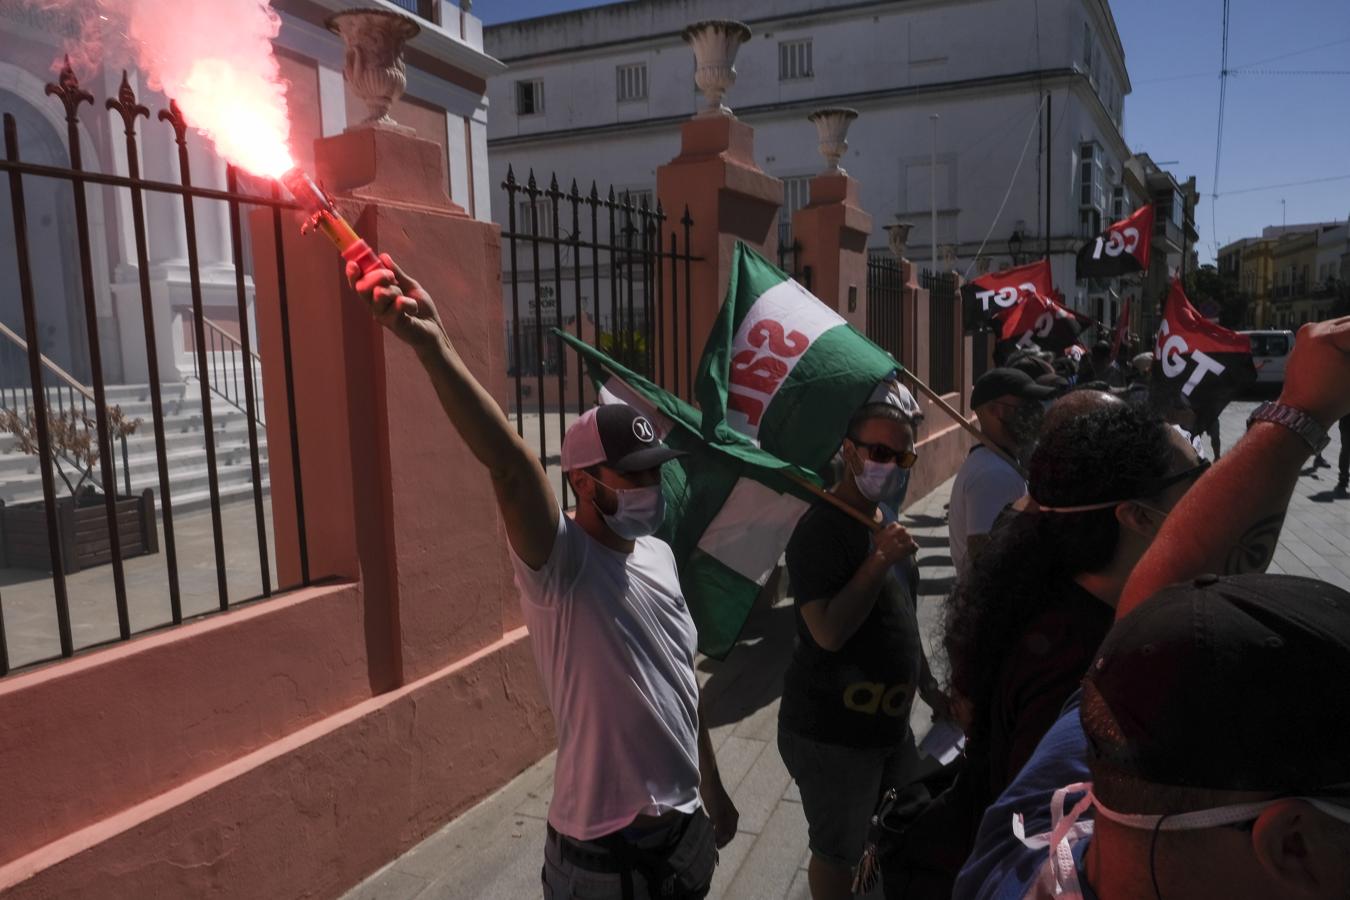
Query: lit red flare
point(324, 216)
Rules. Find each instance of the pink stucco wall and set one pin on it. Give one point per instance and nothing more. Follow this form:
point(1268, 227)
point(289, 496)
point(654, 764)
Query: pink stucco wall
point(290, 747)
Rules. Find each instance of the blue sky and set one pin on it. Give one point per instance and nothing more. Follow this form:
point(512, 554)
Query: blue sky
point(1279, 127)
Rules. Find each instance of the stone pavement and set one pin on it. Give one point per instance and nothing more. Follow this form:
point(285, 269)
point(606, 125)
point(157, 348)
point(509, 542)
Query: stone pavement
point(28, 604)
point(493, 852)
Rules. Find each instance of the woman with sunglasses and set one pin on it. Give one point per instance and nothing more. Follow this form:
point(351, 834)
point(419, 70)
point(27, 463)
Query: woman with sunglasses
point(843, 726)
point(1025, 620)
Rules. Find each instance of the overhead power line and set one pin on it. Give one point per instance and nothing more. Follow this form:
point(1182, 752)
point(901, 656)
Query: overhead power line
point(1290, 72)
point(1253, 67)
point(1285, 184)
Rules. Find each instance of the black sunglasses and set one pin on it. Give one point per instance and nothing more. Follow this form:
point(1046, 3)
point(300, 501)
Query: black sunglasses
point(880, 453)
point(1190, 474)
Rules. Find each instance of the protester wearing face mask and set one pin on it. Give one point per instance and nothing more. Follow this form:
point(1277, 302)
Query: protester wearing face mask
point(1207, 755)
point(613, 638)
point(843, 726)
point(1007, 403)
point(1025, 621)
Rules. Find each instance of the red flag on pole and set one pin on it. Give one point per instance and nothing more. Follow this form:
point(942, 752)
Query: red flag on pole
point(1122, 327)
point(1119, 250)
point(1199, 360)
point(992, 297)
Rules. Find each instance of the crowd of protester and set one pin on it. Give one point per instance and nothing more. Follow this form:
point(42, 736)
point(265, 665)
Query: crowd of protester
point(1146, 714)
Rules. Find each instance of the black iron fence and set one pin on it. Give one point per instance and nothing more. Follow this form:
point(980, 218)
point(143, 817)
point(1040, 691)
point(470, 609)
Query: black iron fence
point(885, 293)
point(99, 525)
point(790, 256)
point(943, 314)
point(609, 270)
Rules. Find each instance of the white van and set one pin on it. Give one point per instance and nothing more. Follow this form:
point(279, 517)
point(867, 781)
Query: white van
point(1270, 352)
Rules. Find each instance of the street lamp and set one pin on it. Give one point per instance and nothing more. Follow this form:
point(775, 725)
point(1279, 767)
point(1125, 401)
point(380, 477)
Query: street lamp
point(1015, 245)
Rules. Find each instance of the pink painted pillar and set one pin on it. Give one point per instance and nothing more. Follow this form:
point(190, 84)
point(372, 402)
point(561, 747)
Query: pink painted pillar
point(729, 198)
point(833, 231)
point(392, 495)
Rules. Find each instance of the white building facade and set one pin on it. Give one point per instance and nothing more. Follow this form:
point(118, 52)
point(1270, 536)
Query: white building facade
point(599, 94)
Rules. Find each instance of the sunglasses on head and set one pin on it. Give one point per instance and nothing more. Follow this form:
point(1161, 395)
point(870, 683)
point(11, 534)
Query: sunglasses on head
point(880, 453)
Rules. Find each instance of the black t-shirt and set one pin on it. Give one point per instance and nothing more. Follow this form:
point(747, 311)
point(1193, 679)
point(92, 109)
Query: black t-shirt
point(860, 695)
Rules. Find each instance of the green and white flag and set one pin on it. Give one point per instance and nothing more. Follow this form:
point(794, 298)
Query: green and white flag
point(730, 506)
point(782, 368)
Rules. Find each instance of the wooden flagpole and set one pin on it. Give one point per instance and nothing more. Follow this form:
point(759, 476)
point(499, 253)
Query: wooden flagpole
point(834, 501)
point(962, 420)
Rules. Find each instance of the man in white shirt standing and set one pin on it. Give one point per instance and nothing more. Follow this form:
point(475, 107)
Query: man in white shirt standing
point(1007, 403)
point(613, 638)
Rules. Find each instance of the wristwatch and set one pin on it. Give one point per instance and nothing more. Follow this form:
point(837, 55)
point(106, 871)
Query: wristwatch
point(1296, 420)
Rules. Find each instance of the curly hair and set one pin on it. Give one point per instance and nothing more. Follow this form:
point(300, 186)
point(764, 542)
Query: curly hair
point(1112, 452)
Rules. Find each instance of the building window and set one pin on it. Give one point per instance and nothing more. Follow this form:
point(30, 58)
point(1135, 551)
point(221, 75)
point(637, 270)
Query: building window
point(638, 198)
point(529, 97)
point(796, 195)
point(1091, 179)
point(1089, 223)
point(1118, 203)
point(1087, 48)
point(427, 9)
point(794, 60)
point(526, 225)
point(632, 80)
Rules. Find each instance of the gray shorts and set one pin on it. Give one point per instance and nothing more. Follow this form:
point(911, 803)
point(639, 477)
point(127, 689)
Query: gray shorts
point(840, 787)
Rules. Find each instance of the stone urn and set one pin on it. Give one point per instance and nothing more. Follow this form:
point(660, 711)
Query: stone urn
point(373, 65)
point(715, 43)
point(897, 236)
point(832, 128)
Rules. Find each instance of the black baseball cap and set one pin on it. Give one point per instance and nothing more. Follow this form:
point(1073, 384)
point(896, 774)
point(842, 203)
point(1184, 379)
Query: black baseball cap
point(1007, 382)
point(1233, 683)
point(616, 435)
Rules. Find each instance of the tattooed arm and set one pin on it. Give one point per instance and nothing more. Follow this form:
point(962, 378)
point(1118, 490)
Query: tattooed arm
point(1230, 521)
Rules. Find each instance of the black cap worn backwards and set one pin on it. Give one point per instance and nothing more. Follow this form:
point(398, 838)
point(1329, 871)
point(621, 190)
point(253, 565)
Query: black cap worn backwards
point(1234, 683)
point(629, 440)
point(1005, 382)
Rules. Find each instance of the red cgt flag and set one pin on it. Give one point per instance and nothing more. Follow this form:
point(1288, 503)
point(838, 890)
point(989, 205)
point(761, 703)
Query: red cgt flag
point(991, 297)
point(1122, 326)
point(1041, 323)
point(1197, 360)
point(1121, 249)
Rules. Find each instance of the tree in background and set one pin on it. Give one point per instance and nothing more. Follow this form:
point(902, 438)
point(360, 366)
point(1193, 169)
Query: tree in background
point(1208, 289)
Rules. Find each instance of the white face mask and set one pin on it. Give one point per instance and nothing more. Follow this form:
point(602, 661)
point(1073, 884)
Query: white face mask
point(880, 482)
point(639, 513)
point(1060, 874)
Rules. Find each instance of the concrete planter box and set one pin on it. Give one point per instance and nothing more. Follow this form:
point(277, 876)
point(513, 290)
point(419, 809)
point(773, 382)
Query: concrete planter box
point(82, 527)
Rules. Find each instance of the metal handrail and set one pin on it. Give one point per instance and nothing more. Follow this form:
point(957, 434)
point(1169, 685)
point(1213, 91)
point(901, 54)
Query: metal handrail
point(227, 337)
point(47, 364)
point(218, 382)
point(71, 384)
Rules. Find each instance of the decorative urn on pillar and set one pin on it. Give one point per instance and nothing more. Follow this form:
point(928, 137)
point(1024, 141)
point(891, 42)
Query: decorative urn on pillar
point(897, 235)
point(373, 65)
point(715, 43)
point(832, 127)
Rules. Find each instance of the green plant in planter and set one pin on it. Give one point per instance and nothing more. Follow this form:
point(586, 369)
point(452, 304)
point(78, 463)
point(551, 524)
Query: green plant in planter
point(72, 436)
point(628, 348)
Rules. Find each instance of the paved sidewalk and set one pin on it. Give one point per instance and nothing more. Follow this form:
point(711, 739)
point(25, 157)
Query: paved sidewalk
point(494, 851)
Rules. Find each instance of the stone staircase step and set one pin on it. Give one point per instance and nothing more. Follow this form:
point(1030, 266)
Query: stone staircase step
point(185, 449)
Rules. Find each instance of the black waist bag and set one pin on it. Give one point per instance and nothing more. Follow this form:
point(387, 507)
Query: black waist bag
point(680, 870)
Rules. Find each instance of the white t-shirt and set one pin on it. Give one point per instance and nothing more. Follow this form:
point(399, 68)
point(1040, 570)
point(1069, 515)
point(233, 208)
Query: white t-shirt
point(615, 647)
point(984, 485)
